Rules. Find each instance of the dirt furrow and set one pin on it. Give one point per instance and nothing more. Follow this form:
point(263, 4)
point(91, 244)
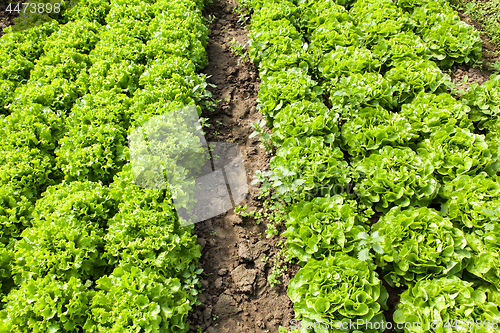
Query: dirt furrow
point(237, 295)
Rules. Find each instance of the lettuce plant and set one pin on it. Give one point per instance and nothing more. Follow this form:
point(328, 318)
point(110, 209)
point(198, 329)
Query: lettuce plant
point(452, 41)
point(428, 113)
point(402, 46)
point(447, 305)
point(150, 236)
point(116, 44)
point(162, 305)
point(32, 126)
point(373, 128)
point(285, 87)
point(338, 289)
point(485, 245)
point(466, 198)
point(308, 166)
point(378, 19)
point(47, 304)
point(331, 34)
point(344, 61)
point(396, 177)
point(410, 77)
point(484, 101)
point(93, 147)
point(278, 40)
point(356, 91)
point(302, 119)
point(321, 227)
point(314, 14)
point(28, 170)
point(90, 10)
point(15, 213)
point(67, 237)
point(419, 244)
point(458, 153)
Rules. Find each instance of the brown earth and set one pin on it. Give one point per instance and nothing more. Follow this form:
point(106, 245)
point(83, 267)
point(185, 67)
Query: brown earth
point(7, 18)
point(237, 296)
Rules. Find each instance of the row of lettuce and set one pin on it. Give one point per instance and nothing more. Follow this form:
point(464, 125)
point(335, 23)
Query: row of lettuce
point(387, 175)
point(82, 247)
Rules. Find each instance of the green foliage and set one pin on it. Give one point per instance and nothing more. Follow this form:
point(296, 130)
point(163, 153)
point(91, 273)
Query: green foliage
point(304, 119)
point(411, 77)
point(67, 237)
point(419, 244)
point(459, 152)
point(94, 145)
point(373, 128)
point(306, 167)
point(276, 39)
point(428, 113)
point(32, 126)
point(146, 233)
point(339, 289)
point(90, 10)
point(162, 304)
point(76, 255)
point(466, 197)
point(285, 87)
point(448, 305)
point(47, 304)
point(400, 47)
point(483, 101)
point(357, 91)
point(15, 213)
point(344, 61)
point(484, 243)
point(404, 143)
point(396, 176)
point(28, 170)
point(319, 228)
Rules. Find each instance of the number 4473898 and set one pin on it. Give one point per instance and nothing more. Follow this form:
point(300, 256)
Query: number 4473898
point(33, 7)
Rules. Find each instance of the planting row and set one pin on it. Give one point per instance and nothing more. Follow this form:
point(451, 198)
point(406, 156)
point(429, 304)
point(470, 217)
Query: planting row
point(357, 97)
point(82, 246)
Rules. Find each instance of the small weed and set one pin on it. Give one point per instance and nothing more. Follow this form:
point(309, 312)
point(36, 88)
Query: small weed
point(265, 138)
point(238, 50)
point(495, 67)
point(213, 233)
point(278, 267)
point(211, 18)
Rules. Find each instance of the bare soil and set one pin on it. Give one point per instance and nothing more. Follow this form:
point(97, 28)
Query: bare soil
point(7, 18)
point(237, 296)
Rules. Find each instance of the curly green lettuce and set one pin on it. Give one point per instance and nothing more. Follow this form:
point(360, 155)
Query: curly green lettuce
point(396, 177)
point(419, 244)
point(303, 119)
point(467, 197)
point(338, 289)
point(319, 228)
point(447, 305)
point(457, 153)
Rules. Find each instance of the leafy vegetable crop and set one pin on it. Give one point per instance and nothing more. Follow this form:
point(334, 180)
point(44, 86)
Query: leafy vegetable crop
point(82, 247)
point(357, 98)
point(338, 289)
